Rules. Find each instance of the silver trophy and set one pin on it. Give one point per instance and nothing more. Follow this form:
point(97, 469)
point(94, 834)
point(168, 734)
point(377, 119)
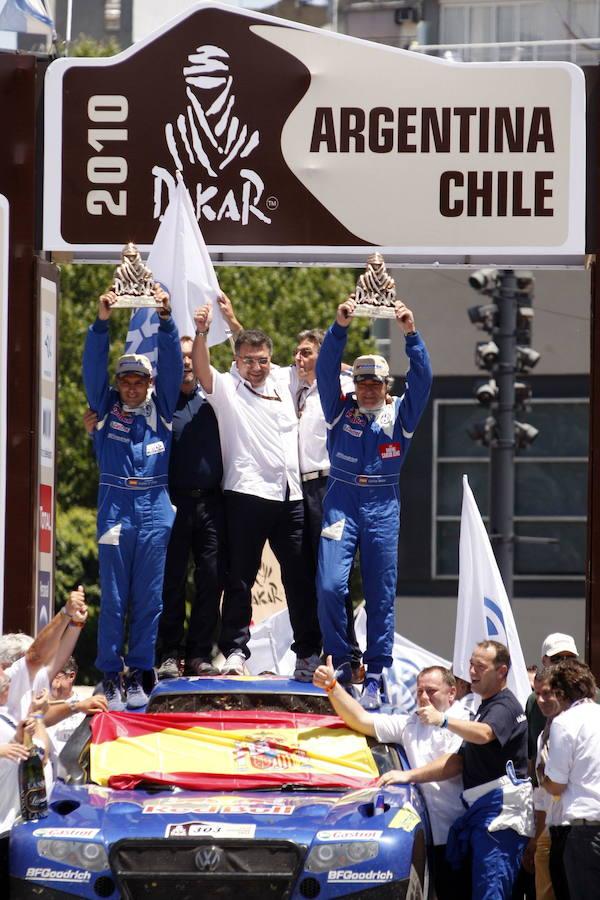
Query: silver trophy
point(134, 282)
point(375, 292)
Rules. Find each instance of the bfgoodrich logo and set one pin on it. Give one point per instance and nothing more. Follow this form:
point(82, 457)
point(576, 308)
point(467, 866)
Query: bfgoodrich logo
point(363, 877)
point(209, 137)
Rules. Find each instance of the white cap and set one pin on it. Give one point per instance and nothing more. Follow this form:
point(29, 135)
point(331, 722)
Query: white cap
point(370, 366)
point(136, 363)
point(559, 643)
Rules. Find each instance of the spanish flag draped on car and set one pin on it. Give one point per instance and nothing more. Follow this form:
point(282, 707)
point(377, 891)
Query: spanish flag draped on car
point(228, 750)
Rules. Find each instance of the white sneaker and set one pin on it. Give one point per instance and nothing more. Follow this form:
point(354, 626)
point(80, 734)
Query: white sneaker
point(234, 664)
point(305, 668)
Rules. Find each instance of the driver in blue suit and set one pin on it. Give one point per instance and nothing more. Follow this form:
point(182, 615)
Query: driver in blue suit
point(369, 434)
point(132, 440)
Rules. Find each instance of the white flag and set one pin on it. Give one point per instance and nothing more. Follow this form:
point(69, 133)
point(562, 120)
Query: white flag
point(271, 639)
point(180, 261)
point(408, 660)
point(483, 611)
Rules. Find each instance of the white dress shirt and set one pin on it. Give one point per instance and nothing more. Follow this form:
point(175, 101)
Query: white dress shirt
point(574, 760)
point(424, 743)
point(259, 436)
point(312, 432)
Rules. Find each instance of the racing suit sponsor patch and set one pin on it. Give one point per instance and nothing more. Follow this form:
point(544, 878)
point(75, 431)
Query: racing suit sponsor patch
point(355, 432)
point(391, 450)
point(355, 416)
point(334, 531)
point(351, 459)
point(156, 447)
point(118, 426)
point(118, 437)
point(119, 414)
point(373, 876)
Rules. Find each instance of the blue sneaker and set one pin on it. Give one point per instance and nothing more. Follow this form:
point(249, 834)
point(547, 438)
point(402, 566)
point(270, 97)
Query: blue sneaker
point(371, 697)
point(134, 690)
point(111, 688)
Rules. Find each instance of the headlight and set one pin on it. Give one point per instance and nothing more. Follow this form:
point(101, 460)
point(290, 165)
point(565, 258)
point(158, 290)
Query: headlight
point(324, 857)
point(82, 854)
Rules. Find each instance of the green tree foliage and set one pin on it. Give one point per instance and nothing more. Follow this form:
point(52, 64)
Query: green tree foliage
point(87, 46)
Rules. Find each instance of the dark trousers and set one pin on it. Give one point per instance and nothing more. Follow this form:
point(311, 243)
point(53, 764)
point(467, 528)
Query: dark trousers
point(449, 883)
point(558, 874)
point(251, 521)
point(199, 530)
point(313, 492)
point(582, 862)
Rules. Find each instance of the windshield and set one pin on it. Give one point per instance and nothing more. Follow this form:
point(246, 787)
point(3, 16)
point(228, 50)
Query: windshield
point(205, 702)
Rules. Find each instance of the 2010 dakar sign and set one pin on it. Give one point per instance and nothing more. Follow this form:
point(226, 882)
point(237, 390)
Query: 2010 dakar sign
point(301, 142)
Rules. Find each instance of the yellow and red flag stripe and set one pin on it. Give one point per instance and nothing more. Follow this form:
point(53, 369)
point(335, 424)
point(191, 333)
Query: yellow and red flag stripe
point(228, 750)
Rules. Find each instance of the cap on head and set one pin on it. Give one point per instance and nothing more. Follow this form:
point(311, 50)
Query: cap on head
point(559, 643)
point(370, 367)
point(136, 363)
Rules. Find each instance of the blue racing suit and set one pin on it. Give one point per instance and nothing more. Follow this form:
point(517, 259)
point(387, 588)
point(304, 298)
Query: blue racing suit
point(361, 508)
point(135, 514)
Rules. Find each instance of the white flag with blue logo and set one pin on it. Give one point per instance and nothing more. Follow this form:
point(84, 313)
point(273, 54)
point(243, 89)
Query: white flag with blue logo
point(483, 611)
point(26, 16)
point(180, 261)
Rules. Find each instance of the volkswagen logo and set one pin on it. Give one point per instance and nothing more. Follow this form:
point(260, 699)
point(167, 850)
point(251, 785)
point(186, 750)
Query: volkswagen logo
point(207, 859)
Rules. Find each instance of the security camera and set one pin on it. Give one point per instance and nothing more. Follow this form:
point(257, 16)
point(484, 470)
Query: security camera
point(486, 354)
point(527, 358)
point(524, 435)
point(486, 393)
point(484, 280)
point(485, 317)
point(484, 432)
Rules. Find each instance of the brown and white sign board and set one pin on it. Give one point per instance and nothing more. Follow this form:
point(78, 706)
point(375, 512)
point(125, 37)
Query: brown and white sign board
point(299, 144)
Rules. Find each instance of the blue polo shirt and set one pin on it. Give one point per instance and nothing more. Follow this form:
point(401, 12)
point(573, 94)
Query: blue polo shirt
point(196, 462)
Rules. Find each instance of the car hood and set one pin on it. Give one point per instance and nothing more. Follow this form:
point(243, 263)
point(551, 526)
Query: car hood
point(259, 814)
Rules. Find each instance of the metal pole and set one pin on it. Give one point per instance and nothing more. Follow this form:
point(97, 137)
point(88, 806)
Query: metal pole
point(502, 469)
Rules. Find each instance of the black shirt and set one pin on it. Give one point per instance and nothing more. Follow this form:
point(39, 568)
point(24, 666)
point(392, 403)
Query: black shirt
point(485, 762)
point(196, 461)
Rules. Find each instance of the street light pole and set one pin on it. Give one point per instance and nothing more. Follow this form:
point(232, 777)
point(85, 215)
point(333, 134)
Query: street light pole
point(502, 451)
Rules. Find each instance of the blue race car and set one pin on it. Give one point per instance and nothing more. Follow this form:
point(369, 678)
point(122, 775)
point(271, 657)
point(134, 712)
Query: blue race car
point(120, 826)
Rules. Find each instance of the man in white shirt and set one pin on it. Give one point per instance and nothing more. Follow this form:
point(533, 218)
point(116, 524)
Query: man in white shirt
point(258, 426)
point(422, 743)
point(32, 663)
point(572, 773)
point(301, 379)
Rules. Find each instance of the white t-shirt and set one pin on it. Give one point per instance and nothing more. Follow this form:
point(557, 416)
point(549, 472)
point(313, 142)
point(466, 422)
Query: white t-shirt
point(259, 437)
point(9, 777)
point(60, 733)
point(574, 759)
point(312, 431)
point(22, 687)
point(424, 743)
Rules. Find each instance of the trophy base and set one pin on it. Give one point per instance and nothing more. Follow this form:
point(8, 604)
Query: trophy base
point(375, 312)
point(130, 301)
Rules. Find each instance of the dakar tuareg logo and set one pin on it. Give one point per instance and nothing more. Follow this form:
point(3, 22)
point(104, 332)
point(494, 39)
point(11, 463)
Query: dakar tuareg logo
point(210, 137)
